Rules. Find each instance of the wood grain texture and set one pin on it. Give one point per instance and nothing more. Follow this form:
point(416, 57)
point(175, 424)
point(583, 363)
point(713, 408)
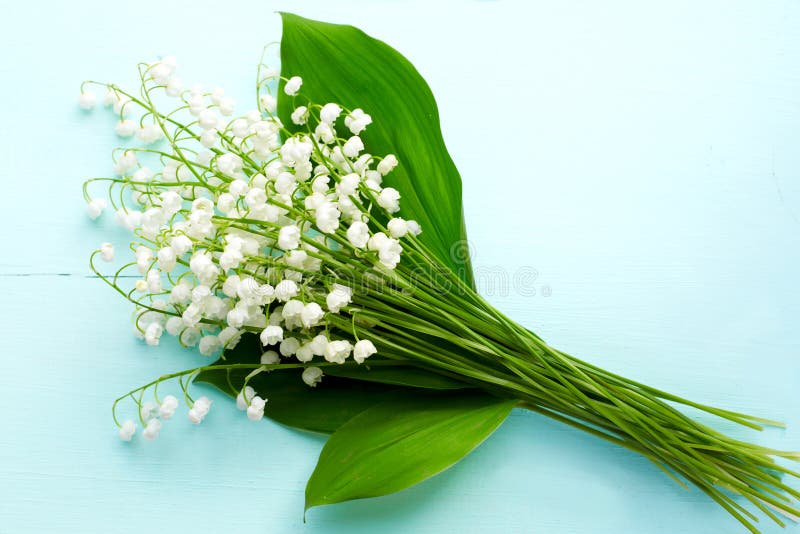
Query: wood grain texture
point(644, 215)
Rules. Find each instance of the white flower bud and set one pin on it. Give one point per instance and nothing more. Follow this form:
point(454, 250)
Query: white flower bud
point(320, 184)
point(95, 207)
point(285, 290)
point(386, 165)
point(289, 237)
point(195, 417)
point(167, 259)
point(199, 410)
point(167, 408)
point(229, 337)
point(227, 106)
point(389, 253)
point(327, 217)
point(268, 102)
point(357, 121)
point(244, 397)
point(152, 334)
point(296, 258)
point(208, 138)
point(305, 353)
point(358, 234)
point(154, 284)
point(339, 297)
point(174, 86)
point(319, 344)
point(125, 128)
point(226, 202)
point(292, 309)
point(289, 346)
point(338, 351)
point(238, 188)
point(190, 336)
point(127, 430)
point(389, 199)
point(348, 185)
point(414, 228)
point(363, 349)
point(255, 412)
point(107, 252)
point(208, 119)
point(270, 357)
point(293, 85)
point(271, 335)
point(149, 133)
point(152, 429)
point(209, 345)
point(324, 132)
point(312, 376)
point(329, 113)
point(87, 100)
point(125, 162)
point(300, 115)
point(181, 244)
point(397, 227)
point(353, 146)
point(312, 314)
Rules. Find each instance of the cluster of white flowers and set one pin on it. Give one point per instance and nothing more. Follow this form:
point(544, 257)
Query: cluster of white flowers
point(151, 414)
point(243, 226)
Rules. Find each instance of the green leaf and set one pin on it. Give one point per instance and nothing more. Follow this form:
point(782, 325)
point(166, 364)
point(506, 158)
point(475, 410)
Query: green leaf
point(400, 376)
point(344, 392)
point(342, 64)
point(398, 443)
point(323, 408)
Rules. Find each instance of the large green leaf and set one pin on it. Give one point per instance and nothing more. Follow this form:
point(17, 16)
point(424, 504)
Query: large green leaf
point(342, 64)
point(398, 443)
point(323, 408)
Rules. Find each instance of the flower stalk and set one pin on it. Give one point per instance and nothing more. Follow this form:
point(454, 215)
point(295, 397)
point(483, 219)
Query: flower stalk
point(483, 347)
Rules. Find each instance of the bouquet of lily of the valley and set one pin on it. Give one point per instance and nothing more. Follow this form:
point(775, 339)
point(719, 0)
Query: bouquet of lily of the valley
point(314, 247)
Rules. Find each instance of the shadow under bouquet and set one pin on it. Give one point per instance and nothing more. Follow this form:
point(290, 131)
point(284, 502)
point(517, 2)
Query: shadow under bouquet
point(315, 246)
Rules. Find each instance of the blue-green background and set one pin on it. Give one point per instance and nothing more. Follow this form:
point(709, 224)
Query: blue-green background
point(642, 157)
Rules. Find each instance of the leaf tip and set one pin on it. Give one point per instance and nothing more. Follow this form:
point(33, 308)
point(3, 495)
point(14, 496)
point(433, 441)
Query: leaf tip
point(287, 15)
point(307, 506)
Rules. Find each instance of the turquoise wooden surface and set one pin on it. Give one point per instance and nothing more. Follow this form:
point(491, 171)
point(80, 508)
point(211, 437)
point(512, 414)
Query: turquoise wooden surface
point(644, 213)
